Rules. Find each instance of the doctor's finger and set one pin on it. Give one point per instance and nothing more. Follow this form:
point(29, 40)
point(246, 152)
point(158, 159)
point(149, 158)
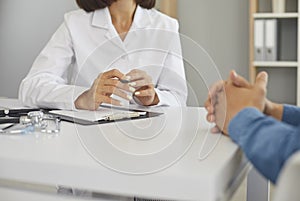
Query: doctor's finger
point(113, 90)
point(137, 75)
point(116, 83)
point(111, 74)
point(109, 100)
point(134, 77)
point(141, 83)
point(145, 93)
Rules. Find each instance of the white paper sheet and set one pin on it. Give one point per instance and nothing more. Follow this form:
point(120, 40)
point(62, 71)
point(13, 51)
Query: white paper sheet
point(100, 114)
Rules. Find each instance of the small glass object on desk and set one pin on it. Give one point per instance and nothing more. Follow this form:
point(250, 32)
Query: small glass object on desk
point(35, 121)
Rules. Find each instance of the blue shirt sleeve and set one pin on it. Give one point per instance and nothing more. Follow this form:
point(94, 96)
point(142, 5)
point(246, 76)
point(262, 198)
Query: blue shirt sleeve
point(266, 142)
point(291, 115)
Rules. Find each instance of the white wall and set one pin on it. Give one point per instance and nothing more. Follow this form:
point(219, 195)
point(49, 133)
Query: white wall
point(221, 28)
point(26, 26)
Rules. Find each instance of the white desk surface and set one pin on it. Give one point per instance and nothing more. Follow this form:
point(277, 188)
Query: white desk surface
point(10, 194)
point(69, 159)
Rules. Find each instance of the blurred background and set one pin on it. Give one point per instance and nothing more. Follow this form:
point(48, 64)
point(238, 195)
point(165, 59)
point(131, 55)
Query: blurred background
point(220, 27)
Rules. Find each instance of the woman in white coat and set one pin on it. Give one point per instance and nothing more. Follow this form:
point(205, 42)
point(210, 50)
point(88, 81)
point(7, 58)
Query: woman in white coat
point(106, 52)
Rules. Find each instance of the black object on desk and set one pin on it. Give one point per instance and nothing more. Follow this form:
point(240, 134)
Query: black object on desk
point(16, 112)
point(10, 120)
point(13, 115)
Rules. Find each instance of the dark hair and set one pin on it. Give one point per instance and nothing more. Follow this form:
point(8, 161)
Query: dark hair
point(92, 5)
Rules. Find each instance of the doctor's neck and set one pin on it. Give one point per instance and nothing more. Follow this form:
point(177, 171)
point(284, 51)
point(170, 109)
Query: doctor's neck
point(122, 11)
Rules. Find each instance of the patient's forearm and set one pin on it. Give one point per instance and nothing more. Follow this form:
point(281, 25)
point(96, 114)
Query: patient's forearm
point(273, 109)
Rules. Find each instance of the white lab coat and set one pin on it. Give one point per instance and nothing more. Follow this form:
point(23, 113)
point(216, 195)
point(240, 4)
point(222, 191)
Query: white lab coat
point(87, 44)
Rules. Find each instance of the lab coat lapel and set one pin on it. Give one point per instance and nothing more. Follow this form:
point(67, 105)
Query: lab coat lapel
point(141, 21)
point(102, 19)
point(142, 18)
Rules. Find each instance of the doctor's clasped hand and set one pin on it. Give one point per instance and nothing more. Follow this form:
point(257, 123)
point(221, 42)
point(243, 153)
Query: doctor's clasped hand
point(144, 88)
point(136, 83)
point(103, 87)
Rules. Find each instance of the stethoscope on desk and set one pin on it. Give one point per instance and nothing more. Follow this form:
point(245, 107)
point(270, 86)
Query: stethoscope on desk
point(28, 120)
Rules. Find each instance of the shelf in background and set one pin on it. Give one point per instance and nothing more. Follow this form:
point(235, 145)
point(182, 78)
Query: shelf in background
point(275, 15)
point(275, 64)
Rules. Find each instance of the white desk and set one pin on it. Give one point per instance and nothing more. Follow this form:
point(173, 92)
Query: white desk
point(65, 159)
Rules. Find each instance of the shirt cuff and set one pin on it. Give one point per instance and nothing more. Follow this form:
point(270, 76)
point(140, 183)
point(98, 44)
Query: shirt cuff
point(291, 115)
point(242, 121)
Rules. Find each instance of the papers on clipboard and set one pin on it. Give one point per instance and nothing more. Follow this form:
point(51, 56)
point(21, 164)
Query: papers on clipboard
point(102, 115)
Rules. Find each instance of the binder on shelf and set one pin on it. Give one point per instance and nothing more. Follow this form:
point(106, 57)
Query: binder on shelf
point(270, 40)
point(259, 40)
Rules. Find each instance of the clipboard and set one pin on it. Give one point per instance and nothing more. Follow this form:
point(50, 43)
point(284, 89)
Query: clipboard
point(122, 114)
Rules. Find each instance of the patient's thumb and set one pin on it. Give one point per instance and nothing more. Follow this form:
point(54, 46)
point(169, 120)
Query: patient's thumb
point(262, 79)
